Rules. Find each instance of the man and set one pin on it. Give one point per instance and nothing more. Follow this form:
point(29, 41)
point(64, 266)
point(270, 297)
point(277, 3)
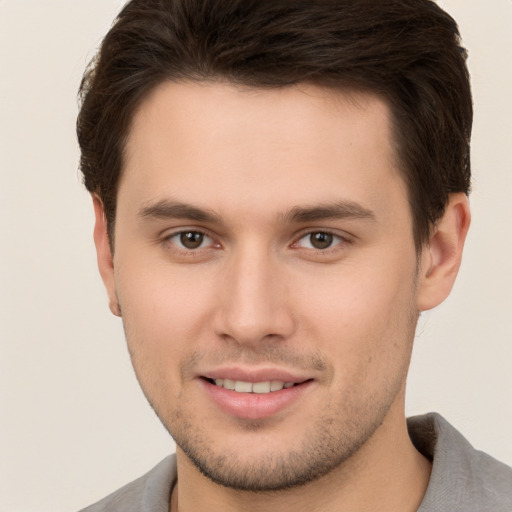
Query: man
point(280, 189)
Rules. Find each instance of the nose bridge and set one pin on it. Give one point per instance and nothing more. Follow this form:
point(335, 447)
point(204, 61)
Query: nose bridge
point(253, 304)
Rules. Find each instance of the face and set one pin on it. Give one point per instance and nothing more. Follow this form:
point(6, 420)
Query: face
point(266, 275)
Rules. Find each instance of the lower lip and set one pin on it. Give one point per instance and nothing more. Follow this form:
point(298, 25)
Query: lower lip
point(255, 406)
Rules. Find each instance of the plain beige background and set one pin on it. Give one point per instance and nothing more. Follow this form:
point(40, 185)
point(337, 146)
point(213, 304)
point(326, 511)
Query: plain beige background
point(73, 423)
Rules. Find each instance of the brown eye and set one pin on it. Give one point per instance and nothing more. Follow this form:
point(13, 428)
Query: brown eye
point(320, 240)
point(191, 239)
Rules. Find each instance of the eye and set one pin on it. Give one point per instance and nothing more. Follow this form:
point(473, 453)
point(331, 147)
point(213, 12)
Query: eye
point(190, 240)
point(319, 240)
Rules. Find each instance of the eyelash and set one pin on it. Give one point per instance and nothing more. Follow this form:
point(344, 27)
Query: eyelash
point(338, 240)
point(167, 240)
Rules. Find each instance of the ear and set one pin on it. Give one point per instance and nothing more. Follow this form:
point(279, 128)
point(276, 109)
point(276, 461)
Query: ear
point(441, 257)
point(104, 254)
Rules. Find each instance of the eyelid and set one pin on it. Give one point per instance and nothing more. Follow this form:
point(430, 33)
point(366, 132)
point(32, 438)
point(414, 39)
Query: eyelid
point(343, 239)
point(167, 236)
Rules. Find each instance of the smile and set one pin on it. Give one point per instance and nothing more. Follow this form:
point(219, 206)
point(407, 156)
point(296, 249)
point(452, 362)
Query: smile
point(241, 386)
point(256, 396)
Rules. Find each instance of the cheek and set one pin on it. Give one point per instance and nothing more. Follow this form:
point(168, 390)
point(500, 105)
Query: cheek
point(163, 314)
point(356, 297)
point(158, 296)
point(365, 319)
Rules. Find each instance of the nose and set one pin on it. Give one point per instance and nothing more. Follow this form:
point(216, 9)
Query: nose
point(254, 303)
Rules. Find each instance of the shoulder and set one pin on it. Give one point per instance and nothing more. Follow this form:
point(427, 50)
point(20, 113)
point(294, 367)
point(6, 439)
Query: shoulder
point(149, 493)
point(463, 478)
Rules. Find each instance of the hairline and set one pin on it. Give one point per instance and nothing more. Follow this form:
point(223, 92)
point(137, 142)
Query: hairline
point(349, 89)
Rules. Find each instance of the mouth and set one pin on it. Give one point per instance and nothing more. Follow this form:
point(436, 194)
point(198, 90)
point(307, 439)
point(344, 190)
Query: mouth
point(240, 386)
point(256, 399)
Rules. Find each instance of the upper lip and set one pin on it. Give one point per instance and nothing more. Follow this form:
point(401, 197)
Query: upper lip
point(239, 373)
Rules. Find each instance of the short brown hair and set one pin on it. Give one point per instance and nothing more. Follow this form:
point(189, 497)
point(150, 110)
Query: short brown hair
point(407, 51)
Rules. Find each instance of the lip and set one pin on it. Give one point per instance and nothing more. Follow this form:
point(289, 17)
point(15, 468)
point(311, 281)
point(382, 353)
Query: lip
point(254, 406)
point(254, 374)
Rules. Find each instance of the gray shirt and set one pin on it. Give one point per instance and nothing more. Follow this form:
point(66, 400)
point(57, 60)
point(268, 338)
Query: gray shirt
point(463, 479)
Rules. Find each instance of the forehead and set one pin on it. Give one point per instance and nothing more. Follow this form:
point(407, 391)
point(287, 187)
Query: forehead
point(244, 114)
point(228, 147)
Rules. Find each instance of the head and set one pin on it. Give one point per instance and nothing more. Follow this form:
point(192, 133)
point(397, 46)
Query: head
point(406, 51)
point(279, 191)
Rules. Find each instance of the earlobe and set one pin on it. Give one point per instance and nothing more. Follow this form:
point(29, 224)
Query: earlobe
point(441, 257)
point(104, 254)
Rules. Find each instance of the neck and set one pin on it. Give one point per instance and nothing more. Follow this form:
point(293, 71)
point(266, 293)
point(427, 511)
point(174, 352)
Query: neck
point(387, 474)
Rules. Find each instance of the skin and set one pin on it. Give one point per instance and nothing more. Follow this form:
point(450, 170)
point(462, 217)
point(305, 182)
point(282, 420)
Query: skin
point(252, 174)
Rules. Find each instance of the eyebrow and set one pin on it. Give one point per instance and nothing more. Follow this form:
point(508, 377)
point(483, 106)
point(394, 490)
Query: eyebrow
point(336, 210)
point(168, 209)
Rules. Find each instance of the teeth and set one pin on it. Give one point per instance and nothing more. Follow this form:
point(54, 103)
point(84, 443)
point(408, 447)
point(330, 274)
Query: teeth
point(229, 384)
point(277, 385)
point(243, 387)
point(261, 387)
point(253, 387)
